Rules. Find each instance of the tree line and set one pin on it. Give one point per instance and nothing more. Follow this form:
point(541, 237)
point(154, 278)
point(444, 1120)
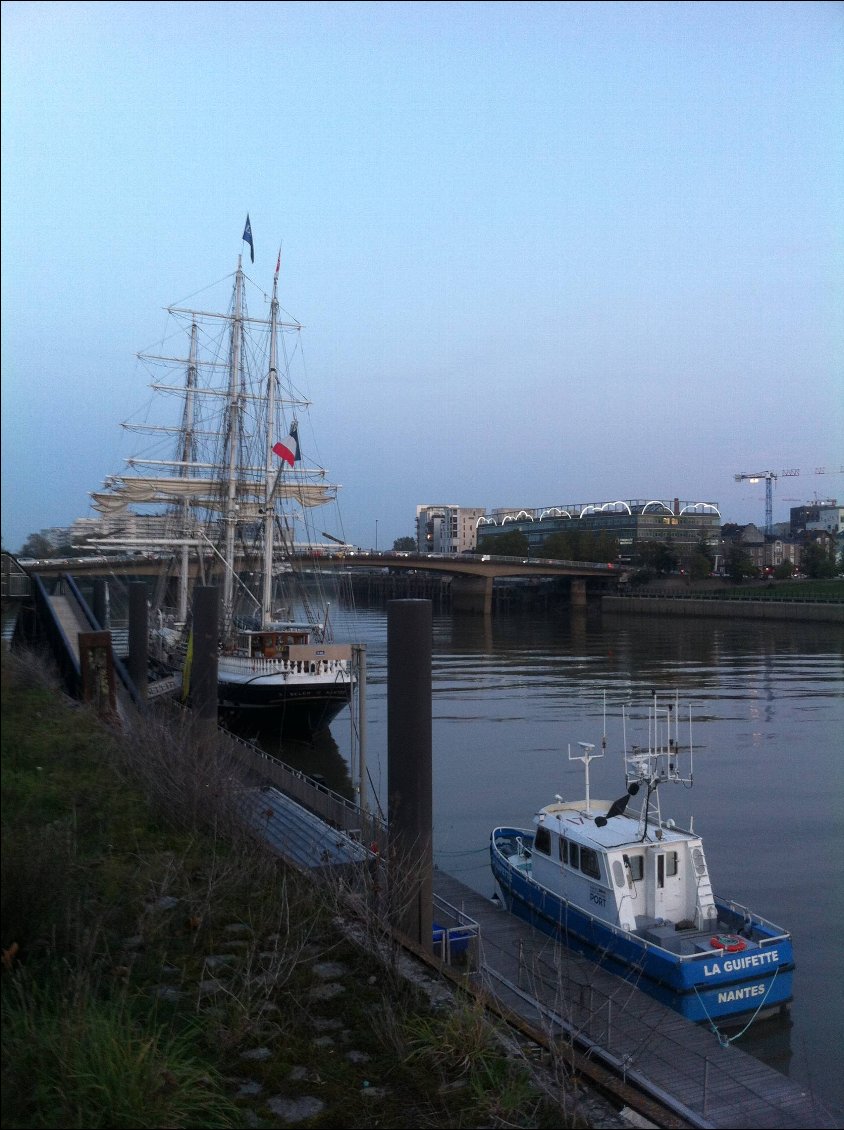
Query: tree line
point(658, 558)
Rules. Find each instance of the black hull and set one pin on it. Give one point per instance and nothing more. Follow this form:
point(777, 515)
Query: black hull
point(295, 711)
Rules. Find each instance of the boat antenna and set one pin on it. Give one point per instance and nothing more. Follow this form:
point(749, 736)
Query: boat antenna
point(585, 757)
point(658, 762)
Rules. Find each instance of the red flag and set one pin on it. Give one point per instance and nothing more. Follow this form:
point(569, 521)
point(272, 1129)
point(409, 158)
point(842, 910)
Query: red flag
point(286, 450)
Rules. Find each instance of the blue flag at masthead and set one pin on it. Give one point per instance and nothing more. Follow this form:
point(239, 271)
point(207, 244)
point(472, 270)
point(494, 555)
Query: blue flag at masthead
point(247, 236)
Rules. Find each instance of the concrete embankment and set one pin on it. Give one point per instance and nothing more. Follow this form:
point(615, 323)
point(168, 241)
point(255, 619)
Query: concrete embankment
point(831, 613)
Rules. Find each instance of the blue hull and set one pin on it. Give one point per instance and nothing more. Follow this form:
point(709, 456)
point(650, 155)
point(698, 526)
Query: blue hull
point(711, 986)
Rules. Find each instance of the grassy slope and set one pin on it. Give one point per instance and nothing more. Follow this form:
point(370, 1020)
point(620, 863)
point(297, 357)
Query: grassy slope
point(156, 962)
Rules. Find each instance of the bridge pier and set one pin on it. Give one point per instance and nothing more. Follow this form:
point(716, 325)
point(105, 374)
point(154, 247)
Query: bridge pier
point(577, 592)
point(471, 595)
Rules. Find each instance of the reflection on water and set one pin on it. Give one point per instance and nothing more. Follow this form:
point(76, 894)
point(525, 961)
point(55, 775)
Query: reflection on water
point(767, 702)
point(320, 757)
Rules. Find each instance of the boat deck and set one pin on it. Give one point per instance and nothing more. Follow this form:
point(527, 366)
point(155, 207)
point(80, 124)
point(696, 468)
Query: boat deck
point(710, 1083)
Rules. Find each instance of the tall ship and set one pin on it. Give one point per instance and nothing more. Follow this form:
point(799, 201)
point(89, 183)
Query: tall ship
point(224, 494)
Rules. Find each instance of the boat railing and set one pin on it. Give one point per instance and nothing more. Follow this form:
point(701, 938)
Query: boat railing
point(682, 958)
point(751, 918)
point(261, 666)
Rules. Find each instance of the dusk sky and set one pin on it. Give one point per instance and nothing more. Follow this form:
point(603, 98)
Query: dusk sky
point(545, 253)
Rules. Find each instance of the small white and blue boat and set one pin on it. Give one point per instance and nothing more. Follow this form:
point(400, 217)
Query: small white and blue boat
point(634, 893)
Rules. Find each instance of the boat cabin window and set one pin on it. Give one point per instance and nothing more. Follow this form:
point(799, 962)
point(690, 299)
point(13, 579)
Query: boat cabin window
point(636, 865)
point(618, 873)
point(542, 840)
point(583, 858)
point(568, 852)
point(589, 863)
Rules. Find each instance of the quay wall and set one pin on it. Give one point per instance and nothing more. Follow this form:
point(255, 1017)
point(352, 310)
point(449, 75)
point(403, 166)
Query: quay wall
point(827, 613)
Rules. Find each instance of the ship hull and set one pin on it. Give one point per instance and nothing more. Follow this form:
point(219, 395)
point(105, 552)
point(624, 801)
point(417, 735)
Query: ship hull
point(299, 710)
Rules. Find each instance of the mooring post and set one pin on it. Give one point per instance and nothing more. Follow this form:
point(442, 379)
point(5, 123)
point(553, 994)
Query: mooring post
point(96, 666)
point(359, 667)
point(138, 637)
point(201, 675)
point(409, 768)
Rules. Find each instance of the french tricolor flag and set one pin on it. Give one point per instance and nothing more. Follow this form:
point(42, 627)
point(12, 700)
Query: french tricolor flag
point(288, 449)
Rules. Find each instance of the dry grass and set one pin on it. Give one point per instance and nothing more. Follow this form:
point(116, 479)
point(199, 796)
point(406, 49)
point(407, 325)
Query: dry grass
point(152, 946)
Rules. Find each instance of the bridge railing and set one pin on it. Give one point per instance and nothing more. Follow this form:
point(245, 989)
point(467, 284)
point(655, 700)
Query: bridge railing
point(418, 559)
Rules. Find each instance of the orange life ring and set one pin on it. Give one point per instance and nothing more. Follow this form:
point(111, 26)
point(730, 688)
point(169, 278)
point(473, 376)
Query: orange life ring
point(730, 943)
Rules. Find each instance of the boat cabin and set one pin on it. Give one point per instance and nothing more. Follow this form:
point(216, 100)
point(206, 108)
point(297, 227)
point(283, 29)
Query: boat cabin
point(617, 874)
point(274, 643)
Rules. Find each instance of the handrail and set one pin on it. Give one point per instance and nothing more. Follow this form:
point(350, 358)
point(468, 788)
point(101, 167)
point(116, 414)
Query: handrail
point(120, 668)
point(298, 774)
point(63, 652)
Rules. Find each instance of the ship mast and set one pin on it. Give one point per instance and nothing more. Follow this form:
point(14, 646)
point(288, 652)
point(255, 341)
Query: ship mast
point(187, 455)
point(269, 503)
point(233, 440)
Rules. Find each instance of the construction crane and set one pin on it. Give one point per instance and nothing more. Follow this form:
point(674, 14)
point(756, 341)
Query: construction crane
point(770, 478)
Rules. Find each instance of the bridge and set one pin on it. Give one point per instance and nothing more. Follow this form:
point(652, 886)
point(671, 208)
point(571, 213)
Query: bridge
point(473, 574)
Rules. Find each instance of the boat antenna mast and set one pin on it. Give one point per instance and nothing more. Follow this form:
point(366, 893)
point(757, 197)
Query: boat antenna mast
point(587, 755)
point(658, 762)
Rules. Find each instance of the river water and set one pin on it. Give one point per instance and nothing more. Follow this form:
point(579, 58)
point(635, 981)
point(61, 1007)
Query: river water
point(767, 706)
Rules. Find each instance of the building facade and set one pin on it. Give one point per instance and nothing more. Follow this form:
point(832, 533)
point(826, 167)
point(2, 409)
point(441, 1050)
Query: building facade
point(764, 553)
point(809, 516)
point(830, 519)
point(447, 529)
point(682, 526)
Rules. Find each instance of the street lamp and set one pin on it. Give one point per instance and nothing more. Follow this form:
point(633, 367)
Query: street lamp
point(376, 535)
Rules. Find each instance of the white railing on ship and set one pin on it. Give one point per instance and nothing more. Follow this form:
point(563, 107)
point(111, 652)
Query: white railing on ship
point(286, 666)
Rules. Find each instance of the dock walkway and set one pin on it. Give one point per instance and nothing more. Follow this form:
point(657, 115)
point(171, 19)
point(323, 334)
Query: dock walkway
point(707, 1082)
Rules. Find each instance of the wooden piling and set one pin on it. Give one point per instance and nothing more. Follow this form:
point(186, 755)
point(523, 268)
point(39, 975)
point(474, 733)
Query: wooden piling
point(409, 768)
point(138, 637)
point(202, 675)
